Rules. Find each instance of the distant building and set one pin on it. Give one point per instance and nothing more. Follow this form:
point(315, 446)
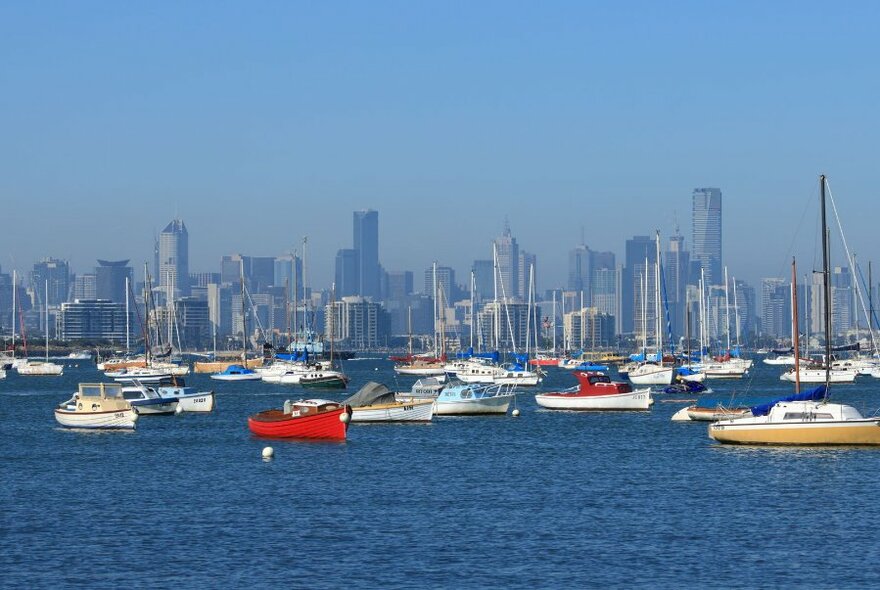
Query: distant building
point(357, 322)
point(483, 282)
point(579, 270)
point(220, 309)
point(504, 325)
point(445, 283)
point(706, 242)
point(528, 266)
point(507, 254)
point(57, 273)
point(95, 319)
point(641, 258)
point(194, 322)
point(588, 329)
point(110, 279)
point(400, 285)
point(347, 273)
point(289, 275)
point(174, 258)
point(366, 245)
point(85, 286)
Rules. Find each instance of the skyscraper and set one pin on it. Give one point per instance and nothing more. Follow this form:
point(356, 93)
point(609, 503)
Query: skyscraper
point(174, 258)
point(676, 263)
point(366, 244)
point(641, 255)
point(507, 255)
point(347, 280)
point(110, 280)
point(775, 307)
point(483, 283)
point(706, 240)
point(579, 271)
point(57, 273)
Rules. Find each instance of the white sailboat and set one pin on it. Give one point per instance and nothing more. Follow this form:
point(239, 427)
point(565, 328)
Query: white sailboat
point(805, 422)
point(42, 368)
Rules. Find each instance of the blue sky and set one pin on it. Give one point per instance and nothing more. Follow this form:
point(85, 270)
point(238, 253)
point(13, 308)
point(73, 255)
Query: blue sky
point(261, 122)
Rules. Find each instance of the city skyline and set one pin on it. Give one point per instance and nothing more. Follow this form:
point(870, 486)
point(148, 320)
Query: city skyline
point(555, 134)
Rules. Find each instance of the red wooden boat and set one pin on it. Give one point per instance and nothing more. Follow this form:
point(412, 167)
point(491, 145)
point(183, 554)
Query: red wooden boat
point(543, 360)
point(310, 418)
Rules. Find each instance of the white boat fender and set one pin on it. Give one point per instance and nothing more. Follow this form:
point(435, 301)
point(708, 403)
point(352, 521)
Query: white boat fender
point(178, 410)
point(515, 412)
point(268, 453)
point(344, 417)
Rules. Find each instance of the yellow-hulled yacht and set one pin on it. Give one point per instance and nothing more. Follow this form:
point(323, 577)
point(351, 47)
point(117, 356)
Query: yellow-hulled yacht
point(804, 422)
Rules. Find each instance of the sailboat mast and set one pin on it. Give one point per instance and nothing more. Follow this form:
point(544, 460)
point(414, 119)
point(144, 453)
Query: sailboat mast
point(295, 302)
point(496, 320)
point(826, 285)
point(553, 323)
point(795, 329)
point(434, 280)
point(46, 309)
point(727, 308)
point(473, 307)
point(14, 289)
point(243, 316)
point(127, 320)
point(735, 317)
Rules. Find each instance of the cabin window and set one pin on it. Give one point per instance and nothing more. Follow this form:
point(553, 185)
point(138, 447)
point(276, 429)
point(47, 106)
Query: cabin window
point(823, 416)
point(794, 416)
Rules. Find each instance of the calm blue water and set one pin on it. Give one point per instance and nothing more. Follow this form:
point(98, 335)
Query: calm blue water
point(549, 499)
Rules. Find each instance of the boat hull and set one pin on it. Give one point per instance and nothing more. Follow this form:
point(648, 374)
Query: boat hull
point(818, 376)
point(466, 407)
point(716, 414)
point(415, 411)
point(639, 399)
point(40, 369)
point(850, 432)
point(220, 366)
point(323, 426)
point(658, 377)
point(112, 420)
point(420, 371)
point(241, 377)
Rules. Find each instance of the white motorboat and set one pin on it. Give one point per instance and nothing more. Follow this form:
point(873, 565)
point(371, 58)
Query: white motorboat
point(784, 359)
point(817, 375)
point(97, 406)
point(39, 369)
point(512, 374)
point(651, 374)
point(467, 399)
point(596, 391)
point(146, 401)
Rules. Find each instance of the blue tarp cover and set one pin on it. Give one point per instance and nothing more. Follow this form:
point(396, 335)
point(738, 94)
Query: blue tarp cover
point(813, 394)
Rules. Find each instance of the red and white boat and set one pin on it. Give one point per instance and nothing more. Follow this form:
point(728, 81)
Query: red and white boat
point(309, 418)
point(544, 360)
point(596, 391)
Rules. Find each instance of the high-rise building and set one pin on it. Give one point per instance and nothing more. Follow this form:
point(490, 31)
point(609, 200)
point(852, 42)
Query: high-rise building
point(775, 308)
point(93, 319)
point(57, 273)
point(507, 256)
point(606, 294)
point(174, 258)
point(289, 274)
point(110, 279)
point(220, 309)
point(579, 271)
point(504, 325)
point(85, 286)
point(400, 285)
point(527, 267)
point(676, 264)
point(706, 242)
point(445, 283)
point(262, 275)
point(347, 282)
point(358, 322)
point(483, 282)
point(193, 321)
point(366, 244)
point(641, 256)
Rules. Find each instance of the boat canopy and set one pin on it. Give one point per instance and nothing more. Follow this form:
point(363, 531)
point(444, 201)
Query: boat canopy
point(493, 356)
point(779, 351)
point(805, 396)
point(847, 348)
point(370, 394)
point(293, 356)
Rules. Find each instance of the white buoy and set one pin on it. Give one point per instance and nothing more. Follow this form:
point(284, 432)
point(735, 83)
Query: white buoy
point(515, 412)
point(344, 417)
point(178, 410)
point(376, 369)
point(268, 452)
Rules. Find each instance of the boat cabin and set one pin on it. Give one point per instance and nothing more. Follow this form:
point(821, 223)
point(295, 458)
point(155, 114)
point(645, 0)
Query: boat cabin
point(97, 397)
point(596, 383)
point(812, 412)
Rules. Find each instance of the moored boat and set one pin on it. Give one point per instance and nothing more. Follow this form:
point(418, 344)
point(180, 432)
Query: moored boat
point(97, 406)
point(466, 399)
point(307, 419)
point(237, 373)
point(596, 391)
point(376, 403)
point(648, 373)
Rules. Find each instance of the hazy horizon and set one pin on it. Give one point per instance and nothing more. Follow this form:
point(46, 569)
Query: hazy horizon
point(260, 124)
